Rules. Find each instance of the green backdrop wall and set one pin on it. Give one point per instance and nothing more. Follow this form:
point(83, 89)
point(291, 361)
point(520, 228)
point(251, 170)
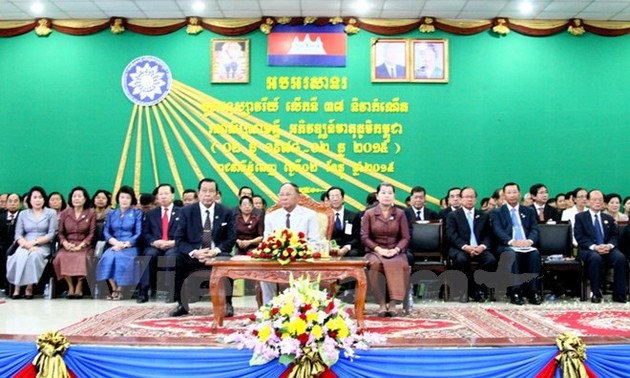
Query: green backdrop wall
point(517, 108)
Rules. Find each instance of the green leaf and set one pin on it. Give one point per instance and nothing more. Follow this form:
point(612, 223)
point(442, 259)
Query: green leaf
point(286, 359)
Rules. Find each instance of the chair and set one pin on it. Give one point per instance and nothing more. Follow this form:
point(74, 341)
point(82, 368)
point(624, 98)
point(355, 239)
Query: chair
point(624, 243)
point(325, 215)
point(556, 239)
point(427, 247)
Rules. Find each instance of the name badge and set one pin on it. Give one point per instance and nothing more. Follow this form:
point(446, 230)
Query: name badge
point(348, 229)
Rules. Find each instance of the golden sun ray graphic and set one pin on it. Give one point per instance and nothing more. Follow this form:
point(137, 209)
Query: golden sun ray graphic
point(201, 135)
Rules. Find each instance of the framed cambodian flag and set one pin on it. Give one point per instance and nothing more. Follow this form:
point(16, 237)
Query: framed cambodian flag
point(307, 45)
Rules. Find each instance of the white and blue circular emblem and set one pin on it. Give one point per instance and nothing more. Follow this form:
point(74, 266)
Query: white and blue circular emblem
point(146, 80)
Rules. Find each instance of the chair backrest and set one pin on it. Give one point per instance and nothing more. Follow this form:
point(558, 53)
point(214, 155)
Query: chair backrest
point(325, 215)
point(623, 242)
point(555, 239)
point(426, 241)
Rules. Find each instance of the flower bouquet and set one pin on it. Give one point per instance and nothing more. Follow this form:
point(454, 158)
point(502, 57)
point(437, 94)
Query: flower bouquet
point(304, 326)
point(284, 246)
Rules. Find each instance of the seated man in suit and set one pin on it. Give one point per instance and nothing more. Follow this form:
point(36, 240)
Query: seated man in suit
point(454, 201)
point(158, 231)
point(346, 231)
point(597, 237)
point(347, 228)
point(544, 212)
point(516, 229)
point(293, 217)
point(468, 233)
point(7, 233)
point(205, 230)
point(417, 211)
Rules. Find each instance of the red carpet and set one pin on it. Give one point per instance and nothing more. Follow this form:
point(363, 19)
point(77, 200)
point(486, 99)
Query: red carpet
point(435, 322)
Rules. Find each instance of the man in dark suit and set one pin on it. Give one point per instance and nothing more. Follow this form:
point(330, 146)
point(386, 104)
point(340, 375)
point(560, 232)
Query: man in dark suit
point(597, 237)
point(346, 234)
point(206, 230)
point(347, 225)
point(516, 229)
point(158, 231)
point(454, 201)
point(544, 212)
point(468, 234)
point(8, 218)
point(417, 211)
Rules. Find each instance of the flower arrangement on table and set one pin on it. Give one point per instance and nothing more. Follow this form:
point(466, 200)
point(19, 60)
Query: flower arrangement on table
point(303, 326)
point(284, 246)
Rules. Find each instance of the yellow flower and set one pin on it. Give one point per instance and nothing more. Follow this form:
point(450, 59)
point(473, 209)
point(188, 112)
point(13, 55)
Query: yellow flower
point(294, 239)
point(312, 317)
point(343, 331)
point(297, 326)
point(317, 331)
point(335, 323)
point(287, 309)
point(264, 333)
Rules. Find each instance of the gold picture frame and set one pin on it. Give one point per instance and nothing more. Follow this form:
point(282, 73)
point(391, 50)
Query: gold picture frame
point(229, 61)
point(429, 60)
point(389, 61)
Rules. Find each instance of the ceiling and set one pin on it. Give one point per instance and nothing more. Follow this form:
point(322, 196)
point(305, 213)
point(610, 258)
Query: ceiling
point(612, 10)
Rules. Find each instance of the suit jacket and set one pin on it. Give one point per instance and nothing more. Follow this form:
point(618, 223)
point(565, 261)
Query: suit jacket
point(340, 236)
point(444, 213)
point(429, 214)
point(383, 73)
point(549, 213)
point(584, 230)
point(7, 230)
point(458, 231)
point(502, 225)
point(152, 226)
point(189, 233)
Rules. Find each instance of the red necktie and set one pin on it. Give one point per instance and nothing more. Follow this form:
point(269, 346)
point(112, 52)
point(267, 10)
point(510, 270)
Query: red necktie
point(165, 224)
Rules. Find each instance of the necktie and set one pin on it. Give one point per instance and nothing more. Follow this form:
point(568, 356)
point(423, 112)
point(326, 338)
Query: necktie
point(518, 230)
point(392, 73)
point(541, 214)
point(288, 224)
point(418, 215)
point(599, 236)
point(165, 224)
point(206, 240)
point(337, 223)
point(473, 238)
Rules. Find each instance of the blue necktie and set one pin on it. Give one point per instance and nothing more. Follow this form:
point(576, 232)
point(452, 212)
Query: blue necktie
point(473, 239)
point(599, 236)
point(337, 222)
point(518, 230)
point(288, 222)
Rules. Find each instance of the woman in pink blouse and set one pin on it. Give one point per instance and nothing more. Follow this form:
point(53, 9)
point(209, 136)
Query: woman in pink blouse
point(76, 231)
point(385, 235)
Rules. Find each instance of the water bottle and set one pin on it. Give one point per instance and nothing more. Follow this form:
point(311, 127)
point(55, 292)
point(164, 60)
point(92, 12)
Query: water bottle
point(47, 291)
point(96, 290)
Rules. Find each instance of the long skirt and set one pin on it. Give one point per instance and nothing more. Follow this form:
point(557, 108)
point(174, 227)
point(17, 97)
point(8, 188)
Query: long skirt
point(72, 264)
point(396, 271)
point(120, 266)
point(26, 268)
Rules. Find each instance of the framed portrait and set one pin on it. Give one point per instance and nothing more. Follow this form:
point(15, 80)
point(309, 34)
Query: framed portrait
point(429, 60)
point(229, 61)
point(389, 60)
